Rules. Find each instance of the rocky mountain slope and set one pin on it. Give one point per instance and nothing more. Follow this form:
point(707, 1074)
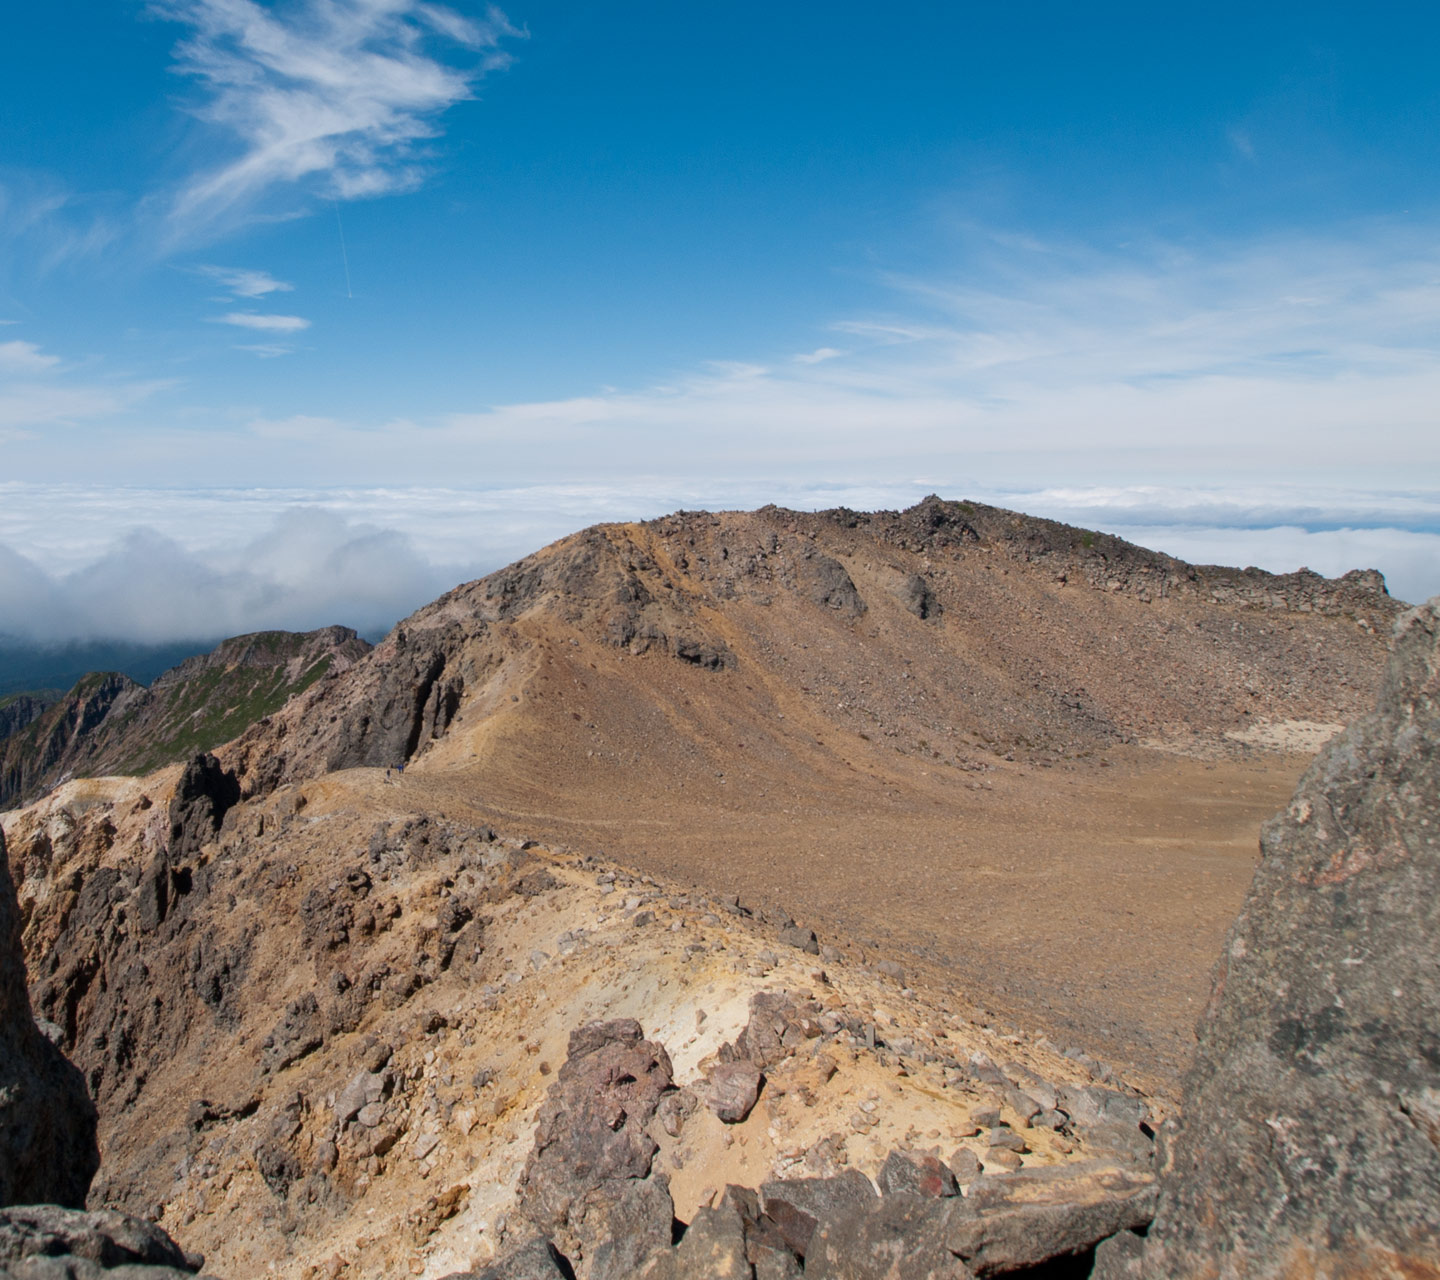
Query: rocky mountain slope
point(330, 1033)
point(1018, 635)
point(109, 724)
point(335, 1025)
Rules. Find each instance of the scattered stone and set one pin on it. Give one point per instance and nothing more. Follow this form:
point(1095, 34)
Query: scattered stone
point(676, 1108)
point(965, 1165)
point(890, 969)
point(985, 1117)
point(915, 1173)
point(642, 918)
point(1002, 1158)
point(802, 939)
point(731, 1089)
point(1008, 1140)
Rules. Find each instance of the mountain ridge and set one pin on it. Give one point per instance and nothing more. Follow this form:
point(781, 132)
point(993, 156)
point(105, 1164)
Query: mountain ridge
point(108, 723)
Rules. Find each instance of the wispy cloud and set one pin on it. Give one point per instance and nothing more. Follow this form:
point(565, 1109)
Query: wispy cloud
point(240, 282)
point(339, 91)
point(25, 357)
point(44, 224)
point(39, 389)
point(26, 406)
point(265, 350)
point(819, 355)
point(265, 323)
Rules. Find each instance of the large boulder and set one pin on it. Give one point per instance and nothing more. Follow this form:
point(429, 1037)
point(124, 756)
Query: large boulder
point(47, 1121)
point(45, 1242)
point(586, 1185)
point(1310, 1137)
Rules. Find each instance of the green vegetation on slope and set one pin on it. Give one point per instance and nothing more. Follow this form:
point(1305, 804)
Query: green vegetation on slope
point(215, 707)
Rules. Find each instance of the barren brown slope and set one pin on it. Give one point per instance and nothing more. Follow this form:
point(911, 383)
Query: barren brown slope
point(993, 744)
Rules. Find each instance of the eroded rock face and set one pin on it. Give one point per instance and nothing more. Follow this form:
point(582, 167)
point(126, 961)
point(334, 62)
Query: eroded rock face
point(1310, 1136)
point(47, 1121)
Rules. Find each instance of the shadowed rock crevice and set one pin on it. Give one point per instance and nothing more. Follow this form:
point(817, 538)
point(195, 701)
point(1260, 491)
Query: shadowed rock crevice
point(47, 1121)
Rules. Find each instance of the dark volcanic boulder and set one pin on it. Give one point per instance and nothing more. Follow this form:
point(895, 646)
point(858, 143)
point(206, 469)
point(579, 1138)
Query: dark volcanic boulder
point(44, 1242)
point(47, 1121)
point(587, 1183)
point(1310, 1137)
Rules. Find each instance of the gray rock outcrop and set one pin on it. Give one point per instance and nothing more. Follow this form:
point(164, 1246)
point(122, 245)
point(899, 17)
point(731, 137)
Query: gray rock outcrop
point(46, 1242)
point(47, 1121)
point(1310, 1134)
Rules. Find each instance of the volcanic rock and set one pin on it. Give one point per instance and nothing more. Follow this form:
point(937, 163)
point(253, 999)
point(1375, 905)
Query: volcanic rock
point(47, 1242)
point(1017, 1220)
point(1310, 1134)
point(591, 1139)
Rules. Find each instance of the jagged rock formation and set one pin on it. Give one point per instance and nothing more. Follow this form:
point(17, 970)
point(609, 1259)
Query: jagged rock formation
point(109, 724)
point(1309, 1141)
point(47, 1121)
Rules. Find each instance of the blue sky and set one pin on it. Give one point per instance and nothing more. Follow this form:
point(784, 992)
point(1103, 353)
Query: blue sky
point(460, 279)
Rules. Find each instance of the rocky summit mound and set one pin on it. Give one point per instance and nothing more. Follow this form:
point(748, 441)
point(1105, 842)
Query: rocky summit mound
point(950, 632)
point(108, 724)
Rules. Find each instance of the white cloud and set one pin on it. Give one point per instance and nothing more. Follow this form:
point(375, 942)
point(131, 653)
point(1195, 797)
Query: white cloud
point(341, 90)
point(309, 568)
point(819, 355)
point(240, 282)
point(265, 350)
point(25, 357)
point(266, 323)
